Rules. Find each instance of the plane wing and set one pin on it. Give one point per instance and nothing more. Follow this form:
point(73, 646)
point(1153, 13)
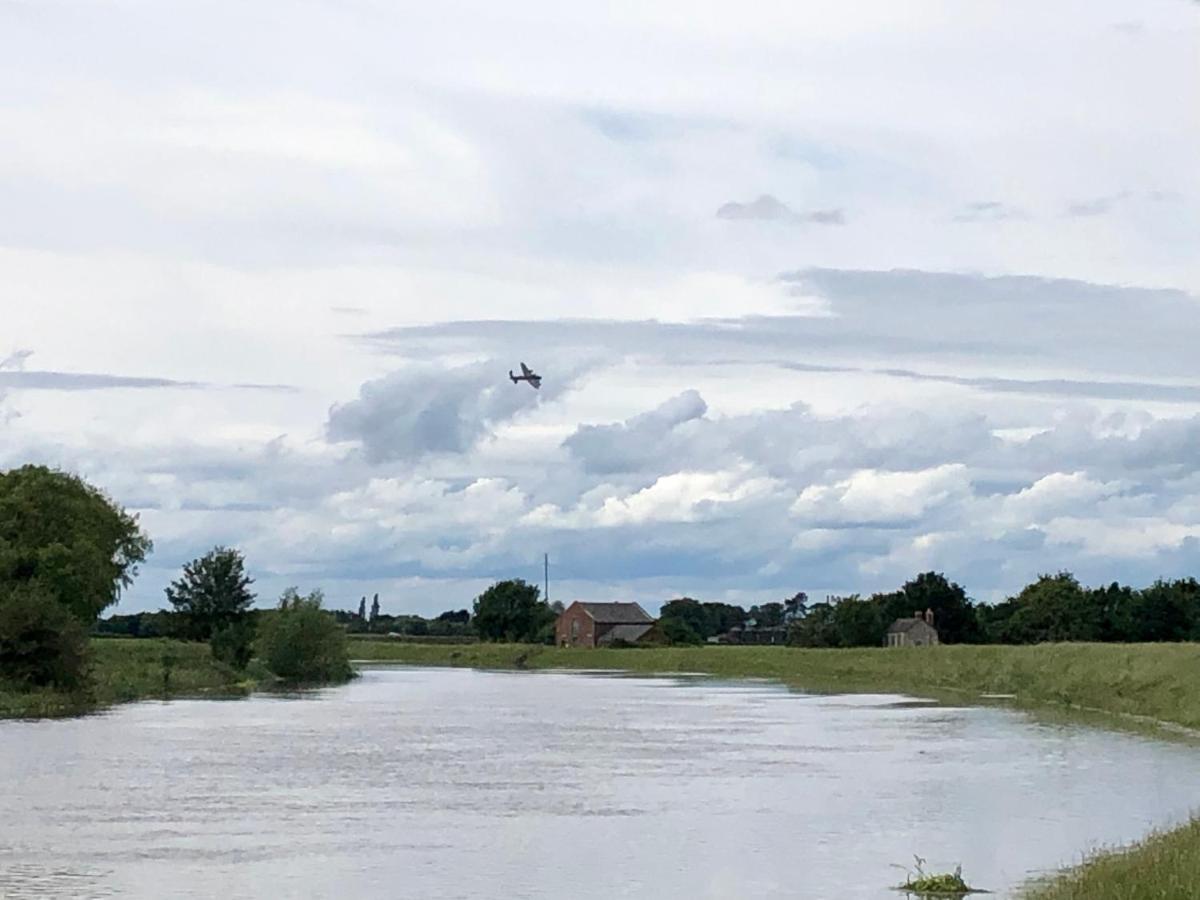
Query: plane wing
point(525, 370)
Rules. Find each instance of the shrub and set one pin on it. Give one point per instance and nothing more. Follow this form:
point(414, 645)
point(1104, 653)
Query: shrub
point(302, 643)
point(233, 644)
point(41, 643)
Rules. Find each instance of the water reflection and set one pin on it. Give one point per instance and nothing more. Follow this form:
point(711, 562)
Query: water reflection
point(462, 784)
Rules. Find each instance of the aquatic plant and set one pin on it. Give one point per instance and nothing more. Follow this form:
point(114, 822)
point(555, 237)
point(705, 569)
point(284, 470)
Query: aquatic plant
point(924, 884)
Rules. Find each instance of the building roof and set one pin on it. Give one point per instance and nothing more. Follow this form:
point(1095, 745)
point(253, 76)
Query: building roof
point(903, 625)
point(630, 633)
point(617, 613)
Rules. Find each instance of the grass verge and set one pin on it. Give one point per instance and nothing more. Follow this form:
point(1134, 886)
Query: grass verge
point(124, 670)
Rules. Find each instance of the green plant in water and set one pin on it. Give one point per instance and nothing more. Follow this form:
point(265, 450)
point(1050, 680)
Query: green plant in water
point(922, 883)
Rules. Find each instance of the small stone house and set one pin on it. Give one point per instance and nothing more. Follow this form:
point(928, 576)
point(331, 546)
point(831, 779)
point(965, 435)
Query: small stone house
point(597, 624)
point(915, 632)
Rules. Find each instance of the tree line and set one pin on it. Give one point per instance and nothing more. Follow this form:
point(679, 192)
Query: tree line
point(1052, 608)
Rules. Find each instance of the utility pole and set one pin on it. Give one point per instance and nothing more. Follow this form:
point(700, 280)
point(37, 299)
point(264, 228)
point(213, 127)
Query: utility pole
point(546, 576)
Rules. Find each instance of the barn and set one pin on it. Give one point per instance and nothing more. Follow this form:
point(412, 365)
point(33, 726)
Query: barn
point(596, 624)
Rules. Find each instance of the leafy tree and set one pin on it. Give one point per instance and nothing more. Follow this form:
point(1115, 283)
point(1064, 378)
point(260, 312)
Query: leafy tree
point(721, 618)
point(362, 609)
point(374, 607)
point(859, 622)
point(1054, 608)
point(818, 628)
point(66, 540)
point(213, 592)
point(768, 615)
point(233, 642)
point(303, 643)
point(41, 642)
point(795, 607)
point(688, 612)
point(462, 617)
point(678, 631)
point(512, 611)
point(953, 613)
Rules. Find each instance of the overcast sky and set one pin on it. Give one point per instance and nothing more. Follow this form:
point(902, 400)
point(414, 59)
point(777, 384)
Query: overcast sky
point(824, 294)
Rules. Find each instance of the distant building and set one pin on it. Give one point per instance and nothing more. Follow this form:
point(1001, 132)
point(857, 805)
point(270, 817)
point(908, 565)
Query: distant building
point(915, 632)
point(597, 624)
point(753, 634)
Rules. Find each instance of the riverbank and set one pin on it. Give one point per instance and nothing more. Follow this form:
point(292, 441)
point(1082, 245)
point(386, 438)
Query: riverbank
point(126, 670)
point(1140, 682)
point(1135, 685)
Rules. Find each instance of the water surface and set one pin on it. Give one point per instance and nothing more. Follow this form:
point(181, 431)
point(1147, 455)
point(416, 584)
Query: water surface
point(440, 784)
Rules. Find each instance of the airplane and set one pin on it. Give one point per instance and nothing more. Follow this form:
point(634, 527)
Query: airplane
point(527, 374)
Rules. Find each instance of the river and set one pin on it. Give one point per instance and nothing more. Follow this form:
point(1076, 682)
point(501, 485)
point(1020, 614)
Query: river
point(441, 783)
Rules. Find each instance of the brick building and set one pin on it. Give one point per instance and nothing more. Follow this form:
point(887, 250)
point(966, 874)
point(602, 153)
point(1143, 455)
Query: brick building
point(597, 624)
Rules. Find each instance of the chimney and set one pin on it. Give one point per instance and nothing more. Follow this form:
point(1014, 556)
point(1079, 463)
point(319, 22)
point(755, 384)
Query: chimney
point(917, 614)
point(928, 616)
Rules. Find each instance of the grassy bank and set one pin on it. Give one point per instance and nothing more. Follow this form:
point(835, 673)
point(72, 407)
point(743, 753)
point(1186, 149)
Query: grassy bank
point(1128, 683)
point(125, 670)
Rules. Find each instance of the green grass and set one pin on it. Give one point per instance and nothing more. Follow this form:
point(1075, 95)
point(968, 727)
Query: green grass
point(1131, 685)
point(1163, 867)
point(124, 670)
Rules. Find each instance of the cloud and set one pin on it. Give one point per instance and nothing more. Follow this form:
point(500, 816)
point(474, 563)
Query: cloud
point(425, 410)
point(629, 445)
point(1096, 206)
point(767, 209)
point(989, 211)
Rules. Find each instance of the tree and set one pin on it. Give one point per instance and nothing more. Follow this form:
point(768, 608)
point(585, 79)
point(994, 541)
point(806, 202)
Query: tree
point(686, 611)
point(818, 628)
point(41, 643)
point(512, 611)
point(362, 609)
point(795, 607)
point(303, 643)
point(1054, 608)
point(213, 593)
point(374, 607)
point(66, 540)
point(953, 613)
point(768, 615)
point(678, 631)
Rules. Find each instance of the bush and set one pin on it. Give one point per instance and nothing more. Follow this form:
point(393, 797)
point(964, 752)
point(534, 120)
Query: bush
point(233, 644)
point(302, 643)
point(41, 643)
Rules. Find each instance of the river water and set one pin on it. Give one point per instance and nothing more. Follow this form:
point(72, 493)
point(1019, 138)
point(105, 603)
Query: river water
point(440, 784)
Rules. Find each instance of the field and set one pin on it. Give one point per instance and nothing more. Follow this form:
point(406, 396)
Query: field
point(125, 670)
point(1133, 686)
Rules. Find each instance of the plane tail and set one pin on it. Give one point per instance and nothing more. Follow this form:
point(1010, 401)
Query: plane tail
point(512, 376)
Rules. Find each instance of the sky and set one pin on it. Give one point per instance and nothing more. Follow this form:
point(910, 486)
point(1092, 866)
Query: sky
point(824, 294)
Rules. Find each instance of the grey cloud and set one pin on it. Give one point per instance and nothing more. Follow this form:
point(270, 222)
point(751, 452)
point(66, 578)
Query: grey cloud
point(768, 209)
point(427, 410)
point(631, 445)
point(989, 211)
point(1096, 206)
point(1005, 326)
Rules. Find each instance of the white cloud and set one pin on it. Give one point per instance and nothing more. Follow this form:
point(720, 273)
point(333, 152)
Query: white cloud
point(876, 497)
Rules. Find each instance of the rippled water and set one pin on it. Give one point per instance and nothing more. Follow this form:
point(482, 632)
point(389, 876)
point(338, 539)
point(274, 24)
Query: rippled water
point(463, 784)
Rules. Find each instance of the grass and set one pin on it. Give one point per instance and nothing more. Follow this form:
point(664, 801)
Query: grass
point(1165, 866)
point(1141, 686)
point(125, 670)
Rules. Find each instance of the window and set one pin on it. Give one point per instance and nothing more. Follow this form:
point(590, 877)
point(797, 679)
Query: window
point(574, 629)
